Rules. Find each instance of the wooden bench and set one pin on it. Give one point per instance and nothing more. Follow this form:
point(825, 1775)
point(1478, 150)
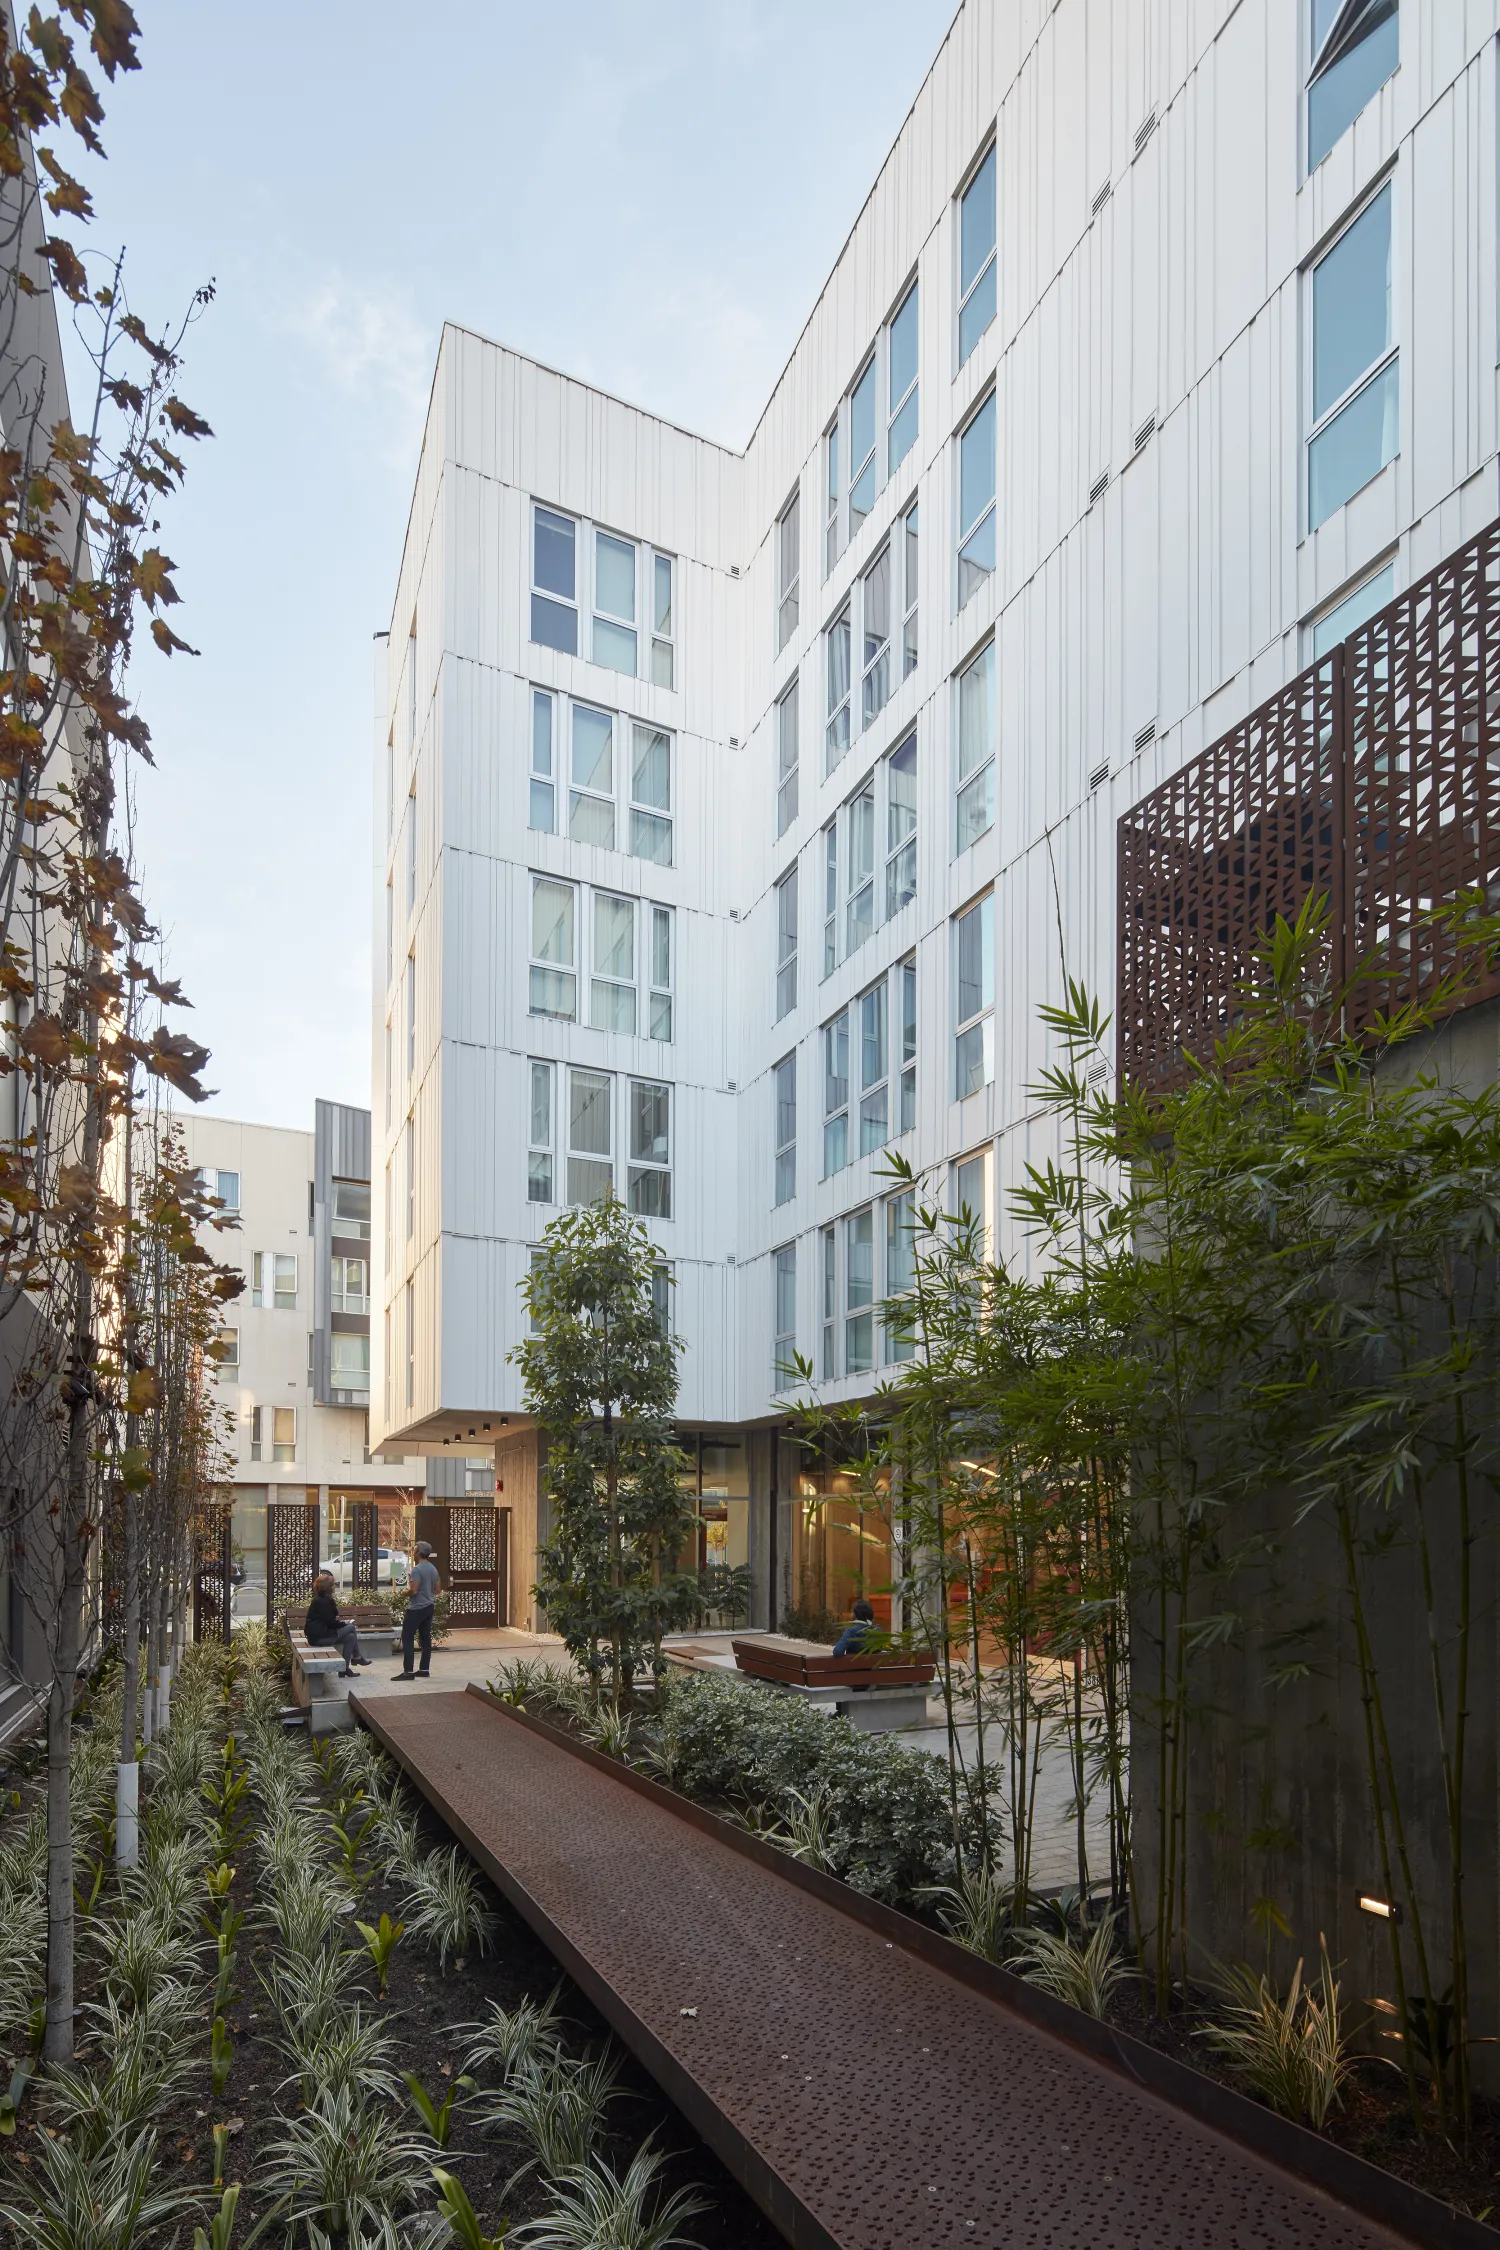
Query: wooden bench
point(875, 1693)
point(318, 1681)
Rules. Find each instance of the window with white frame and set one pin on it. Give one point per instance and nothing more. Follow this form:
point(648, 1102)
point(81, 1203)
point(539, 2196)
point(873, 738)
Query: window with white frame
point(1355, 365)
point(872, 1017)
point(784, 1313)
point(591, 798)
point(349, 1368)
point(1351, 610)
point(591, 1166)
point(976, 501)
point(1356, 45)
point(832, 497)
point(836, 660)
point(390, 933)
point(900, 1267)
point(788, 569)
point(859, 1291)
point(828, 1293)
point(786, 943)
point(543, 813)
point(349, 1217)
point(901, 825)
point(350, 1287)
point(227, 1188)
point(660, 986)
point(257, 1432)
point(284, 1281)
point(284, 1433)
point(905, 974)
point(976, 256)
point(875, 622)
point(859, 868)
point(258, 1278)
point(901, 382)
point(541, 1138)
point(651, 794)
point(649, 1184)
point(612, 988)
point(411, 1013)
point(974, 997)
point(411, 849)
point(975, 775)
point(836, 1094)
point(554, 580)
point(863, 475)
point(411, 1344)
point(788, 755)
point(830, 898)
point(554, 948)
point(411, 1175)
point(970, 1188)
point(784, 1099)
point(614, 638)
point(227, 1361)
point(663, 628)
point(906, 549)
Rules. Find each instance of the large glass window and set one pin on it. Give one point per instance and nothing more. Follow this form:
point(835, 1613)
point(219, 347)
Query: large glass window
point(539, 1159)
point(859, 1291)
point(543, 814)
point(976, 501)
point(828, 1291)
point(1354, 363)
point(836, 645)
point(1355, 47)
point(901, 825)
point(284, 1282)
point(663, 653)
point(554, 957)
point(784, 1344)
point(788, 754)
point(976, 257)
point(862, 473)
point(874, 1061)
point(974, 997)
point(975, 779)
point(591, 1170)
point(554, 580)
point(612, 981)
point(786, 943)
point(900, 1266)
point(227, 1189)
point(836, 1094)
point(591, 800)
point(284, 1433)
point(784, 1095)
point(788, 569)
point(650, 1180)
point(350, 1363)
point(859, 848)
point(659, 1018)
point(351, 1210)
point(651, 795)
point(875, 608)
point(906, 542)
point(901, 384)
point(614, 602)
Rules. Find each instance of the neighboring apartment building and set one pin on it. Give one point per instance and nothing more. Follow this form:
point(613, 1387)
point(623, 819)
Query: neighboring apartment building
point(738, 812)
point(296, 1372)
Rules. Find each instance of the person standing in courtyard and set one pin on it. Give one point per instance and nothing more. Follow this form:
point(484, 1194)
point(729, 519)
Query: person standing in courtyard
point(421, 1607)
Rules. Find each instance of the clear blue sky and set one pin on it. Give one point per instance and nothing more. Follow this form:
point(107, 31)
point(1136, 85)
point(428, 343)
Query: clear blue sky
point(646, 196)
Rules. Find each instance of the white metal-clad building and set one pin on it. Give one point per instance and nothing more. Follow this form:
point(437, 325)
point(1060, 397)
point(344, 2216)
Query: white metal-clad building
point(737, 812)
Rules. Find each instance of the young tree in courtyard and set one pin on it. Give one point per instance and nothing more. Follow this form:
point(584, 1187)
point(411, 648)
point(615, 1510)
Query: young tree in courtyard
point(601, 1378)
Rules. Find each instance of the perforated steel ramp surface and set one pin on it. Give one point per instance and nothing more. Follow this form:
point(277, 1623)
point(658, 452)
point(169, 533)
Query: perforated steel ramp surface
point(865, 2098)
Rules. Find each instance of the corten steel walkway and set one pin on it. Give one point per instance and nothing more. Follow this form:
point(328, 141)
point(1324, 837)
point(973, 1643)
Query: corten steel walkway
point(865, 2096)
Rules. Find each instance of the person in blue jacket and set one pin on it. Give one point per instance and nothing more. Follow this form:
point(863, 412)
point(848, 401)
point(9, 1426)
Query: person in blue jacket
point(853, 1637)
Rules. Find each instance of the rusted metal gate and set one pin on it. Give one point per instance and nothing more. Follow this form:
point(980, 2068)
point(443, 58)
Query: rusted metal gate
point(366, 1571)
point(1372, 781)
point(291, 1555)
point(213, 1586)
point(471, 1545)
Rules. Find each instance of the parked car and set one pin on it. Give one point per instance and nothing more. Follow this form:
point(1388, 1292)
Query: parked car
point(392, 1564)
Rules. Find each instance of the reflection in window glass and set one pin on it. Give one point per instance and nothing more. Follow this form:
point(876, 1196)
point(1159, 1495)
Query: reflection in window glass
point(662, 656)
point(542, 794)
point(976, 502)
point(874, 1096)
point(859, 844)
point(614, 602)
point(650, 1182)
point(591, 1170)
point(837, 737)
point(901, 389)
point(784, 1085)
point(862, 449)
point(784, 1347)
point(788, 570)
point(976, 258)
point(1350, 72)
point(651, 787)
point(1352, 333)
point(612, 984)
point(786, 943)
point(539, 1158)
point(974, 997)
point(976, 748)
point(591, 802)
point(859, 1288)
point(554, 621)
point(900, 1267)
point(788, 753)
point(901, 826)
point(553, 985)
point(1337, 624)
point(836, 1094)
point(876, 606)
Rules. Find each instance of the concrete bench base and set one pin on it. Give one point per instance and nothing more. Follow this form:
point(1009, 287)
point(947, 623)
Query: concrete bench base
point(869, 1710)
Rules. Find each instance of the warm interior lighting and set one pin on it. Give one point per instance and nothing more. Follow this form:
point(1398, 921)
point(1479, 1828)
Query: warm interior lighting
point(1385, 1910)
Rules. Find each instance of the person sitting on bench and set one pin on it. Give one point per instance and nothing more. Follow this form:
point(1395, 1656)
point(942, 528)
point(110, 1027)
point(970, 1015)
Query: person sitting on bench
point(326, 1629)
point(852, 1639)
